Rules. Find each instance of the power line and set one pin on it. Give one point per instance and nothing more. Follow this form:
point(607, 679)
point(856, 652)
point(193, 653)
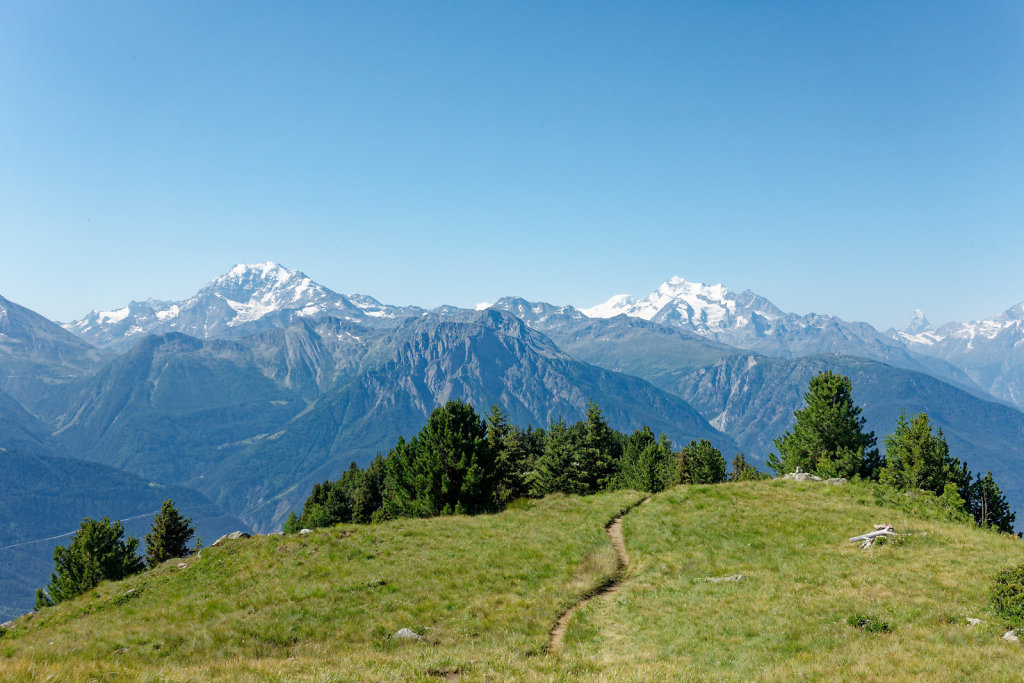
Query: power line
point(69, 533)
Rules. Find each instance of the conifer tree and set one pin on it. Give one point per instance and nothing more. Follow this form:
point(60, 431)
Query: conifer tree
point(700, 463)
point(828, 437)
point(647, 463)
point(510, 457)
point(988, 504)
point(597, 451)
point(557, 468)
point(97, 552)
point(915, 458)
point(744, 471)
point(169, 535)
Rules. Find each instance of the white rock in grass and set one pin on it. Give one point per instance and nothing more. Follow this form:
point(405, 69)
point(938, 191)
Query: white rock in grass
point(406, 634)
point(305, 531)
point(726, 579)
point(234, 535)
point(1011, 636)
point(972, 621)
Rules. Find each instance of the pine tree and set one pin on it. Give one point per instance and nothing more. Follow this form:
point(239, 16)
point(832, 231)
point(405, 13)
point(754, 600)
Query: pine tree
point(988, 504)
point(510, 457)
point(915, 458)
point(169, 536)
point(597, 451)
point(557, 468)
point(828, 437)
point(97, 552)
point(744, 471)
point(447, 468)
point(647, 463)
point(700, 463)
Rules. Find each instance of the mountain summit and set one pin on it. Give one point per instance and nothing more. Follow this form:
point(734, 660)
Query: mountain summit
point(246, 299)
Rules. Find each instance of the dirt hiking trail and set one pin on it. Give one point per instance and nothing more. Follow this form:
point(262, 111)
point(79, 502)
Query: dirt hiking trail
point(614, 529)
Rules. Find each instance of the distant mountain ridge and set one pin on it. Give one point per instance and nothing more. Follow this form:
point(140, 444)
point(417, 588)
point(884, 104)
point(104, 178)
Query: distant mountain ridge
point(246, 299)
point(990, 351)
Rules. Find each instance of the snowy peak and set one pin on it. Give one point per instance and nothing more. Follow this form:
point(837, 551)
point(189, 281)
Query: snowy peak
point(706, 308)
point(918, 324)
point(246, 299)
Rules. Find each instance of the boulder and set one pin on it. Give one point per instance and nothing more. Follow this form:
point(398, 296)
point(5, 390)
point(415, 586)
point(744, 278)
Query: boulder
point(406, 634)
point(305, 531)
point(234, 535)
point(1011, 636)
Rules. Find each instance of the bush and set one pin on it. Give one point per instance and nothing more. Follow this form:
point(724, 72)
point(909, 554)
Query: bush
point(869, 623)
point(1007, 595)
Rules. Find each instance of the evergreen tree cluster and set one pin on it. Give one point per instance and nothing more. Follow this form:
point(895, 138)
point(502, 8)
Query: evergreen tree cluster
point(462, 463)
point(828, 439)
point(99, 552)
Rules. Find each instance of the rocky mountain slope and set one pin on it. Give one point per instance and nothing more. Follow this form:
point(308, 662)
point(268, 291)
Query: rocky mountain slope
point(246, 299)
point(990, 351)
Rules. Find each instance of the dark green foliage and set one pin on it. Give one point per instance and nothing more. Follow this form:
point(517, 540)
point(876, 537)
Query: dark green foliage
point(916, 458)
point(513, 458)
point(598, 450)
point(744, 471)
point(647, 463)
point(700, 463)
point(291, 524)
point(169, 536)
point(988, 504)
point(369, 494)
point(869, 623)
point(557, 467)
point(448, 468)
point(98, 552)
point(1007, 595)
point(828, 437)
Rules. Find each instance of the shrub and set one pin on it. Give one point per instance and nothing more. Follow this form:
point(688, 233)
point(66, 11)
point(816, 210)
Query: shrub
point(869, 623)
point(1007, 595)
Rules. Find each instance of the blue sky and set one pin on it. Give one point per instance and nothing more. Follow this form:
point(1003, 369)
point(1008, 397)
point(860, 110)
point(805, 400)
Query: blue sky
point(862, 159)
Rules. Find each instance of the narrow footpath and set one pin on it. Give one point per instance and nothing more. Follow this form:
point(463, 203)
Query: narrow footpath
point(614, 530)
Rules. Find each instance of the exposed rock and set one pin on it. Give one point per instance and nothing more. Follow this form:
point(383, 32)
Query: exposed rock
point(406, 634)
point(800, 475)
point(234, 535)
point(130, 592)
point(726, 579)
point(183, 565)
point(972, 621)
point(1011, 636)
point(305, 531)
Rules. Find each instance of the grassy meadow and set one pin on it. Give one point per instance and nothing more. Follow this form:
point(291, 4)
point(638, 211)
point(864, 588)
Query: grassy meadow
point(484, 592)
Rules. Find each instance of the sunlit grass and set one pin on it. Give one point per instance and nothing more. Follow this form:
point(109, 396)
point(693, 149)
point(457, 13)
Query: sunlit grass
point(790, 619)
point(484, 592)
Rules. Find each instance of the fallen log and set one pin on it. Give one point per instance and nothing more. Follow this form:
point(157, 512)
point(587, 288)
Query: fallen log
point(872, 535)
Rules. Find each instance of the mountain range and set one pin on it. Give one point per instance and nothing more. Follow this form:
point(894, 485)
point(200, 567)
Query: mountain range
point(266, 382)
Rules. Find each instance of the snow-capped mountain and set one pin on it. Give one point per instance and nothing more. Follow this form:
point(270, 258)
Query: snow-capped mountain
point(706, 309)
point(246, 299)
point(749, 321)
point(990, 351)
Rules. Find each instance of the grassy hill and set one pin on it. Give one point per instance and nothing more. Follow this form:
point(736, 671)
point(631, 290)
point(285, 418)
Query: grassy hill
point(484, 592)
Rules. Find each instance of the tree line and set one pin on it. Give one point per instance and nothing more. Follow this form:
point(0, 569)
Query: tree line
point(828, 439)
point(462, 463)
point(100, 552)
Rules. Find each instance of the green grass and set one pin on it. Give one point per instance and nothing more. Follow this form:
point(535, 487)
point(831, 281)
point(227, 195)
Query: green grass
point(790, 619)
point(484, 591)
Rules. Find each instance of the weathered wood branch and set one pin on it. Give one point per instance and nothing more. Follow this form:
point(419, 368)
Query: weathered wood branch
point(873, 534)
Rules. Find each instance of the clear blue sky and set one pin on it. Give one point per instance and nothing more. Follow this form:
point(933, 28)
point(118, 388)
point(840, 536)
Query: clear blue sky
point(859, 158)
